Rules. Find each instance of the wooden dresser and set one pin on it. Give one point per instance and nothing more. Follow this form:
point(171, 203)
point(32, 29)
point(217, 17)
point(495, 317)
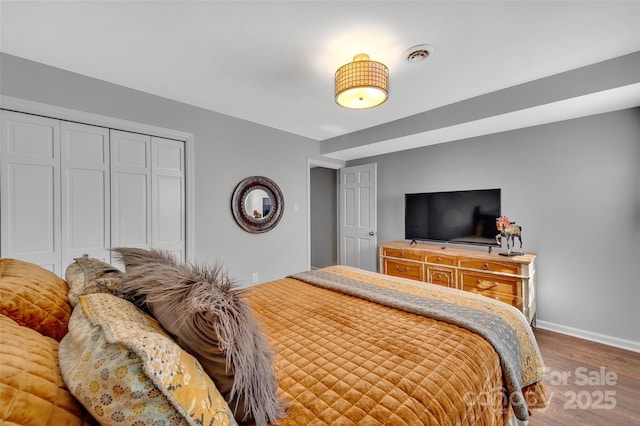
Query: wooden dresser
point(508, 279)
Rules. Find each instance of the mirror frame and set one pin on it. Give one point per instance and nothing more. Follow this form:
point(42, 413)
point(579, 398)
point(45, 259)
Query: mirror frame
point(246, 220)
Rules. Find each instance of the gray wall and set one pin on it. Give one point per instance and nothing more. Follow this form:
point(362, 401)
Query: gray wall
point(226, 151)
point(323, 214)
point(573, 186)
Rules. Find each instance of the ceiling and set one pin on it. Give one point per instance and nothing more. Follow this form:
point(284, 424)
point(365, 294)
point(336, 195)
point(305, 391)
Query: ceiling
point(273, 62)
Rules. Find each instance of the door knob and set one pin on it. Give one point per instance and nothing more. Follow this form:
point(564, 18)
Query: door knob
point(372, 233)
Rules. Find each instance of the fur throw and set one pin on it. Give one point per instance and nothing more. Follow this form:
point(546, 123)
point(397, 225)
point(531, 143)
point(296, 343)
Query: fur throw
point(208, 316)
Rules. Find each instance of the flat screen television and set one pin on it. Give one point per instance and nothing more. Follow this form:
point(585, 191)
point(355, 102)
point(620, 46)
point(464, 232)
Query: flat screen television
point(462, 217)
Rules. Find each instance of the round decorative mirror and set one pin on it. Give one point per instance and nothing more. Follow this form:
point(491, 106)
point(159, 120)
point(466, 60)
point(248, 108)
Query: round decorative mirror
point(257, 204)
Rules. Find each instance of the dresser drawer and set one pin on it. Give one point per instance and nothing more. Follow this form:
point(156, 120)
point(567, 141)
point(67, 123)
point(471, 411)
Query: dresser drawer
point(514, 301)
point(399, 268)
point(444, 277)
point(403, 254)
point(492, 266)
point(441, 259)
point(489, 284)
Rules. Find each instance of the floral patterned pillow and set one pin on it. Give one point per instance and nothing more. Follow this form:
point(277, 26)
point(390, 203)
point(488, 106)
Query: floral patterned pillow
point(87, 275)
point(123, 367)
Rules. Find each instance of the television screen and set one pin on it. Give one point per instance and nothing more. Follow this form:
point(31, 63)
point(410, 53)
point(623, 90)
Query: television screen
point(465, 217)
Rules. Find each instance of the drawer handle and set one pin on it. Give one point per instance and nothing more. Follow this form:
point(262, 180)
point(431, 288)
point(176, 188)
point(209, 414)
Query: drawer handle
point(485, 266)
point(401, 254)
point(438, 259)
point(486, 285)
point(402, 269)
point(441, 277)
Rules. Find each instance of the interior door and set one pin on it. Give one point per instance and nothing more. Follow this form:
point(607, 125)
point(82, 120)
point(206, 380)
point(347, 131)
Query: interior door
point(168, 198)
point(85, 192)
point(30, 195)
point(358, 239)
point(130, 189)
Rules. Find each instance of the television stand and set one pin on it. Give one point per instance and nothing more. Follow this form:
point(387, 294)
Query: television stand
point(508, 279)
point(413, 242)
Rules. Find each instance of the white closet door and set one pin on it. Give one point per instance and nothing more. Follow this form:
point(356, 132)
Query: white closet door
point(130, 189)
point(30, 196)
point(168, 199)
point(85, 192)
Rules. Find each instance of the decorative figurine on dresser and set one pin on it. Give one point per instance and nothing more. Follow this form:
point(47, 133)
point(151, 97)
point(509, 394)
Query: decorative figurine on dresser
point(509, 231)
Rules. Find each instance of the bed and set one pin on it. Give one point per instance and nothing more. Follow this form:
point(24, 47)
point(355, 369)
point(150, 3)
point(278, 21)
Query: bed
point(356, 347)
point(337, 346)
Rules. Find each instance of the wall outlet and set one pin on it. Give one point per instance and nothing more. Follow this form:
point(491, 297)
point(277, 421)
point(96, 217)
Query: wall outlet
point(254, 277)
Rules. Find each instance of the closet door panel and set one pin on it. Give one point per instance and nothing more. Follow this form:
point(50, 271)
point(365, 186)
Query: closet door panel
point(168, 211)
point(32, 139)
point(131, 151)
point(168, 156)
point(85, 192)
point(168, 217)
point(85, 208)
point(130, 210)
point(32, 210)
point(130, 189)
point(30, 196)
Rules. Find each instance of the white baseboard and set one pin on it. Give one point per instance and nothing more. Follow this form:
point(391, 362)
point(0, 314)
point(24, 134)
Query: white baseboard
point(629, 345)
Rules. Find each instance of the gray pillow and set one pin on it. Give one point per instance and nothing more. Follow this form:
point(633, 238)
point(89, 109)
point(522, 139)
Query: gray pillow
point(207, 315)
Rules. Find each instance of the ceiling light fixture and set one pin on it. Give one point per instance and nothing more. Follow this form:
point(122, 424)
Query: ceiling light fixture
point(362, 83)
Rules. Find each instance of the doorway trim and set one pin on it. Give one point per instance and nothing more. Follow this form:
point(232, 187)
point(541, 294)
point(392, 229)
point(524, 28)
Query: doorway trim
point(327, 164)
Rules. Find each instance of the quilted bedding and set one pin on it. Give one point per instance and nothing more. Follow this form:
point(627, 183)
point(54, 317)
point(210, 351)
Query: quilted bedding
point(342, 359)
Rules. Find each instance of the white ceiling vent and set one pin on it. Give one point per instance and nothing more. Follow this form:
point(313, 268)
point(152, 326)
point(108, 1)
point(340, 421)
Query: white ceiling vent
point(417, 53)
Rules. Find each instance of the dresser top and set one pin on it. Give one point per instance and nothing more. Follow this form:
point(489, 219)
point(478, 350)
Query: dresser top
point(459, 251)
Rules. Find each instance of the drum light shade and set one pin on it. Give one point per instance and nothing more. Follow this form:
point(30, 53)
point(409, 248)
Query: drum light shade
point(362, 83)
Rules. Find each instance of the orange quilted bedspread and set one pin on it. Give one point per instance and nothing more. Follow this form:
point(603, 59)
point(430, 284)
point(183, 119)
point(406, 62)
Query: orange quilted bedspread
point(342, 360)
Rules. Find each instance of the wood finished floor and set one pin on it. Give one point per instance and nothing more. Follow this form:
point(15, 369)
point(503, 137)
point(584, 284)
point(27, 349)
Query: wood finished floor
point(580, 383)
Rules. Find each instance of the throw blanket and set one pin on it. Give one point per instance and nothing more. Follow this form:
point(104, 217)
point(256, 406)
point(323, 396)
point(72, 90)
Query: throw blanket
point(505, 328)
